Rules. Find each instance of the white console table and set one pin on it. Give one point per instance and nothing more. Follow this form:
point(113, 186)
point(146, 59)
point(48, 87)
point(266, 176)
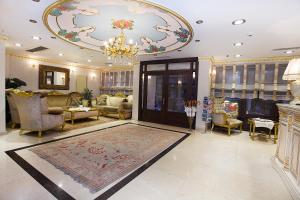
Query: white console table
point(287, 158)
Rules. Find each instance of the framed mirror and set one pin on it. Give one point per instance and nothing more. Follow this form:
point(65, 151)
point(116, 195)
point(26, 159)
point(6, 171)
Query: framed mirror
point(55, 78)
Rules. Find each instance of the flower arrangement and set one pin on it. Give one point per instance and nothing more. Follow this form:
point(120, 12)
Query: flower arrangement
point(190, 107)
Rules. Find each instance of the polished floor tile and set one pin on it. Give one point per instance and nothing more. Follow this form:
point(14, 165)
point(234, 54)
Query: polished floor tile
point(210, 166)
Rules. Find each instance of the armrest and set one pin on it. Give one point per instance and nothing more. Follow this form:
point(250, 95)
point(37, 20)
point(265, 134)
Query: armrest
point(125, 106)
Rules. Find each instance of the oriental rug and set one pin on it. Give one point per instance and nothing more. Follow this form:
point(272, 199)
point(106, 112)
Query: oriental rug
point(97, 159)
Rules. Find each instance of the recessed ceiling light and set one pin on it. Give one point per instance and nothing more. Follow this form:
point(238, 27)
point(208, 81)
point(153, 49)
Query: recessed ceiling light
point(238, 22)
point(179, 50)
point(110, 65)
point(18, 45)
point(36, 37)
point(33, 21)
point(36, 0)
point(60, 54)
point(197, 40)
point(238, 44)
point(53, 37)
point(199, 21)
point(250, 35)
point(238, 55)
point(89, 60)
point(289, 52)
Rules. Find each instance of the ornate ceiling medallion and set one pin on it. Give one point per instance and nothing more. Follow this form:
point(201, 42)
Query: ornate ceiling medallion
point(117, 47)
point(88, 24)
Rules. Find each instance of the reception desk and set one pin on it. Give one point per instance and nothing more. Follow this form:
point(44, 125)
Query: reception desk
point(287, 158)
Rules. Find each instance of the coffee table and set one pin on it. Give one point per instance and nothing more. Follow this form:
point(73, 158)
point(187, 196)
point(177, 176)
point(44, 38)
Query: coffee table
point(81, 113)
point(265, 123)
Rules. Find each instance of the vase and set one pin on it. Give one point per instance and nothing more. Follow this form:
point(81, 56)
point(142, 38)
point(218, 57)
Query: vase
point(85, 103)
point(190, 121)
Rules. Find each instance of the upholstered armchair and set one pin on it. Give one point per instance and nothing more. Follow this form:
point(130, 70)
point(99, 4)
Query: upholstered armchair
point(33, 112)
point(15, 118)
point(223, 119)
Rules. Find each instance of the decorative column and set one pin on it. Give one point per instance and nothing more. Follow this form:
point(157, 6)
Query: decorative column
point(2, 87)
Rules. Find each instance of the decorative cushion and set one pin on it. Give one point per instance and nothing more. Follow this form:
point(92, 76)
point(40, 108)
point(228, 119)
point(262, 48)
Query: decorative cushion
point(115, 101)
point(102, 100)
point(130, 99)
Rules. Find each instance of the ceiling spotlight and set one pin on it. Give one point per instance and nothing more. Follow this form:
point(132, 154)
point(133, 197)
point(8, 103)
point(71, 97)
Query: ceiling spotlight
point(197, 40)
point(238, 22)
point(250, 35)
point(199, 21)
point(33, 21)
point(238, 55)
point(238, 44)
point(89, 60)
point(18, 45)
point(36, 37)
point(53, 37)
point(60, 54)
point(36, 0)
point(289, 52)
point(179, 50)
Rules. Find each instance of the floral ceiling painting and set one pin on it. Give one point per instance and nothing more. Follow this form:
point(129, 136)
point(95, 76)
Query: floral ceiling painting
point(90, 23)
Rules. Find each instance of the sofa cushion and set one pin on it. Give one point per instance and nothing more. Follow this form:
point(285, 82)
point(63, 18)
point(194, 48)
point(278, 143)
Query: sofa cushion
point(57, 100)
point(115, 101)
point(109, 109)
point(55, 110)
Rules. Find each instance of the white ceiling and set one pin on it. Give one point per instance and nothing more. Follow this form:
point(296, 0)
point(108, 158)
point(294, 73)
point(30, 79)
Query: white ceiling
point(273, 23)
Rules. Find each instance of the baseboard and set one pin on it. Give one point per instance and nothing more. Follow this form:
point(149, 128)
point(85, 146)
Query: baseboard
point(287, 179)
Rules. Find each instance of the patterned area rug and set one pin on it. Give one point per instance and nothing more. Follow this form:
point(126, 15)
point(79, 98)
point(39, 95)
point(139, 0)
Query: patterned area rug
point(97, 159)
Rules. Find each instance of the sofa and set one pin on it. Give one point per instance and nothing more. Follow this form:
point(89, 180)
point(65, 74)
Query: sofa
point(115, 106)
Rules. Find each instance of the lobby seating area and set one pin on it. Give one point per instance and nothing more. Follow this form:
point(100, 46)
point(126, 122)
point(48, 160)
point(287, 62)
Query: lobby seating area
point(149, 100)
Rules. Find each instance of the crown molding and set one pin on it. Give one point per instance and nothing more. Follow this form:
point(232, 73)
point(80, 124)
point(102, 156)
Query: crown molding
point(256, 60)
point(53, 62)
point(3, 37)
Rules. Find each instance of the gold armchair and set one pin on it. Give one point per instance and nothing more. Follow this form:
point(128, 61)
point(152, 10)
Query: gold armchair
point(223, 119)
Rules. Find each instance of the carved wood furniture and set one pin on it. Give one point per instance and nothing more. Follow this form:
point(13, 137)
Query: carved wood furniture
point(287, 157)
point(78, 113)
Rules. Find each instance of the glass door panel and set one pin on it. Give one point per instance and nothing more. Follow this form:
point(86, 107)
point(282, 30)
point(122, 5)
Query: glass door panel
point(178, 92)
point(154, 92)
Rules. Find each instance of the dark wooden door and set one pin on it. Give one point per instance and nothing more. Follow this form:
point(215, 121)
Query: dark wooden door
point(163, 91)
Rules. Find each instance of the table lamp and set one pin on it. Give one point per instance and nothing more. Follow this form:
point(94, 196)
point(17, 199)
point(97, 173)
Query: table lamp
point(292, 73)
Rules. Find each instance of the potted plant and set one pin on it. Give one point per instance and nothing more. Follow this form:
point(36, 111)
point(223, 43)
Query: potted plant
point(87, 97)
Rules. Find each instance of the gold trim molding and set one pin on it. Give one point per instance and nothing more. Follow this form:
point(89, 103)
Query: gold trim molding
point(51, 61)
point(256, 60)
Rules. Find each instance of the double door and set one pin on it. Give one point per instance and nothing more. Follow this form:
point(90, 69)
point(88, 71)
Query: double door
point(164, 91)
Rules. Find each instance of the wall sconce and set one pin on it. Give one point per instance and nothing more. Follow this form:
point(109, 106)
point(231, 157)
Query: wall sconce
point(32, 63)
point(93, 75)
point(149, 77)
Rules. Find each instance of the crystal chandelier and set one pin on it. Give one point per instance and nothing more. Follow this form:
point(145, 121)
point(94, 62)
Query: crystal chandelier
point(118, 48)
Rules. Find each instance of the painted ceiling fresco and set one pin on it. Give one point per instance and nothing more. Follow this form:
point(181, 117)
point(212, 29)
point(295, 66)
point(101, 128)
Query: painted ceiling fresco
point(89, 23)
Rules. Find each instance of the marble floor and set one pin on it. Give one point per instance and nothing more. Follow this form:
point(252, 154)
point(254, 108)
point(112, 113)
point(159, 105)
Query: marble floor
point(210, 166)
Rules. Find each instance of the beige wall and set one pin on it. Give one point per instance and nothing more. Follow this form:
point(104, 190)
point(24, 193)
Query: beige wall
point(22, 68)
point(2, 88)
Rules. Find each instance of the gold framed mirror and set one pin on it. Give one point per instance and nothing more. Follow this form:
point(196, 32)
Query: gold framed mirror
point(54, 78)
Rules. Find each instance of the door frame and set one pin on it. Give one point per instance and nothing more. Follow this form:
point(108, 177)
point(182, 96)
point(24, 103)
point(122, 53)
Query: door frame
point(194, 67)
